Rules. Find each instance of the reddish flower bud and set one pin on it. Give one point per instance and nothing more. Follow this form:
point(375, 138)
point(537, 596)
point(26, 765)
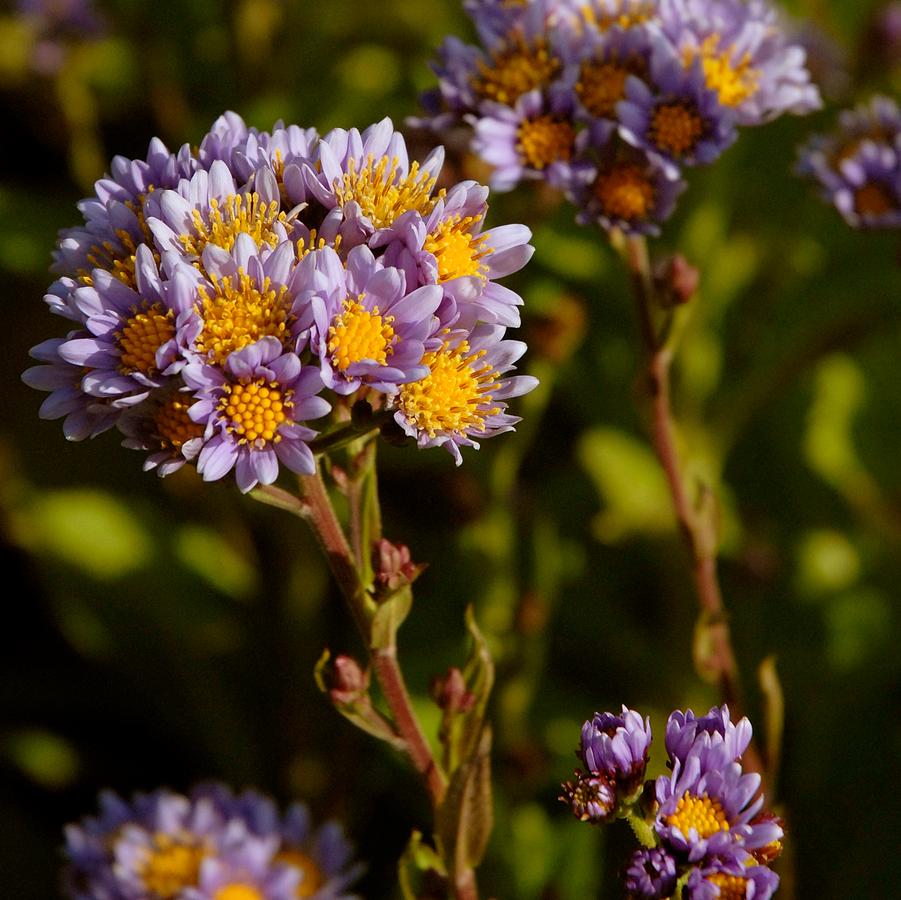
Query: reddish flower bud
point(450, 692)
point(348, 683)
point(393, 565)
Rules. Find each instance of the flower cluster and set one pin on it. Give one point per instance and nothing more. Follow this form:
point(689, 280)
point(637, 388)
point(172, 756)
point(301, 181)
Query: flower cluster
point(211, 845)
point(609, 100)
point(859, 165)
point(702, 825)
point(223, 297)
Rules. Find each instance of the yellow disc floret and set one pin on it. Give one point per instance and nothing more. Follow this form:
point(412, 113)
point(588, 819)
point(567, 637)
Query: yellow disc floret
point(143, 333)
point(240, 312)
point(384, 192)
point(313, 878)
point(456, 249)
point(170, 866)
point(734, 82)
point(254, 410)
point(358, 333)
point(455, 397)
point(602, 85)
point(732, 887)
point(872, 200)
point(173, 425)
point(514, 69)
point(703, 814)
point(238, 892)
point(237, 214)
point(675, 128)
point(545, 140)
point(625, 192)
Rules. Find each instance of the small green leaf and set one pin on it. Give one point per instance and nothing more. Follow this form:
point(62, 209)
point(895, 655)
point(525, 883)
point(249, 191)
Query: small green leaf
point(389, 616)
point(418, 860)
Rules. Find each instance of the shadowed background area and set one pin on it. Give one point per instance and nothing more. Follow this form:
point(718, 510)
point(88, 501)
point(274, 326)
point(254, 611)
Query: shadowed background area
point(165, 632)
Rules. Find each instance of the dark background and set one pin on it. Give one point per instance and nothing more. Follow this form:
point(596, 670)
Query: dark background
point(161, 633)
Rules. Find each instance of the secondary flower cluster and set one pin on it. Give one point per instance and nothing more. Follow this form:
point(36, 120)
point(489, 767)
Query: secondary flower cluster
point(215, 294)
point(609, 100)
point(703, 825)
point(859, 165)
point(210, 845)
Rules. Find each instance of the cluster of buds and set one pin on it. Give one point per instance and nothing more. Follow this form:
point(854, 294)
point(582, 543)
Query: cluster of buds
point(703, 829)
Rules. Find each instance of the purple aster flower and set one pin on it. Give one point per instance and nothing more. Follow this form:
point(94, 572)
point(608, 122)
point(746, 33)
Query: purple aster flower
point(366, 181)
point(618, 746)
point(675, 118)
point(591, 797)
point(162, 425)
point(83, 416)
point(461, 399)
point(730, 881)
point(533, 139)
point(685, 733)
point(448, 247)
point(210, 845)
point(651, 874)
point(706, 808)
point(252, 410)
point(248, 293)
point(132, 346)
point(746, 56)
point(625, 189)
point(367, 330)
point(211, 209)
point(867, 187)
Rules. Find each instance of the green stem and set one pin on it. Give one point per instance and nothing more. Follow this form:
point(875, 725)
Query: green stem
point(643, 832)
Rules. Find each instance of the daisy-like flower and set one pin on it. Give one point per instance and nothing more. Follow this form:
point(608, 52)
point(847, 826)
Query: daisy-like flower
point(367, 329)
point(462, 397)
point(448, 247)
point(730, 881)
point(209, 845)
point(706, 808)
point(533, 139)
point(625, 189)
point(252, 410)
point(618, 746)
point(686, 732)
point(746, 56)
point(651, 874)
point(133, 346)
point(675, 118)
point(366, 182)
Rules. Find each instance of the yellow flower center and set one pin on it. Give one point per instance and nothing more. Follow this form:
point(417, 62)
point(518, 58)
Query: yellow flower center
point(625, 14)
point(625, 192)
point(515, 69)
point(383, 192)
point(456, 249)
point(170, 866)
point(545, 140)
point(675, 128)
point(173, 425)
point(872, 200)
point(120, 261)
point(602, 85)
point(312, 877)
point(732, 887)
point(704, 814)
point(456, 394)
point(255, 410)
point(240, 312)
point(358, 333)
point(733, 82)
point(141, 336)
point(238, 892)
point(315, 242)
point(237, 214)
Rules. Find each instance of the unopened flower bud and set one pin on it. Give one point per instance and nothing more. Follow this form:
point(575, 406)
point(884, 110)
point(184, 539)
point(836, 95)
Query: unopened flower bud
point(592, 798)
point(651, 874)
point(450, 692)
point(617, 746)
point(348, 682)
point(393, 565)
point(677, 280)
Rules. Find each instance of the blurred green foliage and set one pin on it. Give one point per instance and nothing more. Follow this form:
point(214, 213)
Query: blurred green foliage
point(165, 632)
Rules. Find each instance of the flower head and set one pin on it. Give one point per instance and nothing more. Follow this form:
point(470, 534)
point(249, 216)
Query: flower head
point(730, 881)
point(618, 746)
point(651, 874)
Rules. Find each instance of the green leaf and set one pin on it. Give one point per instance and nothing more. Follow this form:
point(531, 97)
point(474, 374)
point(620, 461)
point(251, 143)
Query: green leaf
point(418, 860)
point(389, 616)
